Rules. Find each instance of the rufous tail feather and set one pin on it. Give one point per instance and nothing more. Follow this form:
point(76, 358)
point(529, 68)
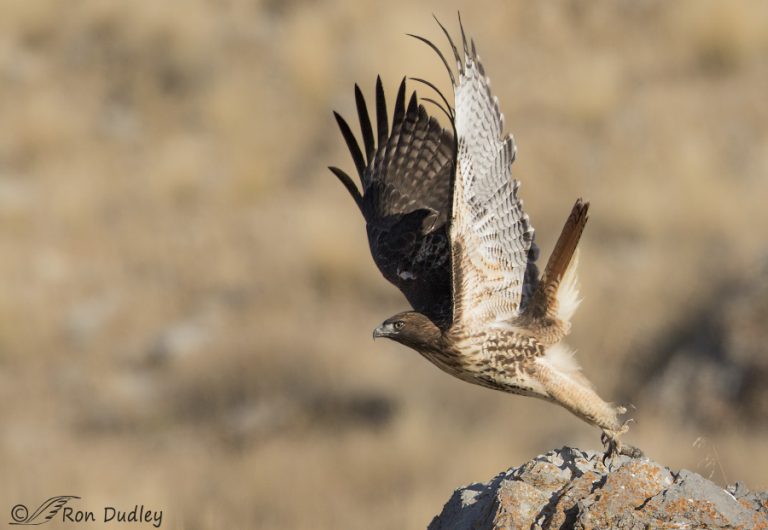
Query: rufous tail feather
point(557, 293)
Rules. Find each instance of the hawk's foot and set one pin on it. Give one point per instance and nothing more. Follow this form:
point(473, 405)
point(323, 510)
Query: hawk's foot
point(613, 445)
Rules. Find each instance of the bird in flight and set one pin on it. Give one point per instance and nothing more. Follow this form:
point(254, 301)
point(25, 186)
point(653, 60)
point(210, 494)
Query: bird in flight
point(446, 226)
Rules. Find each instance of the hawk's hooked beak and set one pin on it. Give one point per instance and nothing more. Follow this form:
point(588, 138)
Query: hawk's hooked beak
point(381, 331)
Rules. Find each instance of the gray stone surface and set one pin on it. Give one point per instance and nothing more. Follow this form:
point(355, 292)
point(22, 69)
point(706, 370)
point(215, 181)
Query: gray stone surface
point(573, 489)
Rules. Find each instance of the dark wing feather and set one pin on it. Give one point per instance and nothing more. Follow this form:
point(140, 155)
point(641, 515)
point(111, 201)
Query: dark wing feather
point(365, 124)
point(354, 148)
point(382, 122)
point(406, 198)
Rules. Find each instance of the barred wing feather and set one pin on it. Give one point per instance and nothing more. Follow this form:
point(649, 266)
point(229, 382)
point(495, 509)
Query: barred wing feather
point(491, 236)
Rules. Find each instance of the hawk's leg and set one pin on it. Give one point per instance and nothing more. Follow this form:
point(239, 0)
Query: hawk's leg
point(613, 445)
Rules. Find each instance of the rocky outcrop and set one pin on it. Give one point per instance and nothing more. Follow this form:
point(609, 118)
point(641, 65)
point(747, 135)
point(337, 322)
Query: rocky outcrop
point(573, 489)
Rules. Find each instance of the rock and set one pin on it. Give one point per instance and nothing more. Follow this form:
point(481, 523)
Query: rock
point(573, 489)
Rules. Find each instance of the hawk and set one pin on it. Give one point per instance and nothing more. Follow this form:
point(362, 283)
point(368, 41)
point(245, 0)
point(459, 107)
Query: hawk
point(446, 226)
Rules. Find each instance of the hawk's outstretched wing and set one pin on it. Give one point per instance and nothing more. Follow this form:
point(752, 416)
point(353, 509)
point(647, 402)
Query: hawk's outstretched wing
point(492, 249)
point(406, 176)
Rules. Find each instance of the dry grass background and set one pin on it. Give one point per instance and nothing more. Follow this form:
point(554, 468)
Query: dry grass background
point(187, 296)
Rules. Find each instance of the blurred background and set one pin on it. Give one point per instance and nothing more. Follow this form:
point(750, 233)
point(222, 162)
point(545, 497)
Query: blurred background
point(187, 296)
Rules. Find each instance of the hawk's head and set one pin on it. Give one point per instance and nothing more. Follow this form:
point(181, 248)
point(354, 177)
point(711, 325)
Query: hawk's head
point(411, 329)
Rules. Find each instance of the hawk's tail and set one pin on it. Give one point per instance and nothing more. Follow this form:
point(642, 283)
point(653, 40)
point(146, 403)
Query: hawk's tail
point(558, 294)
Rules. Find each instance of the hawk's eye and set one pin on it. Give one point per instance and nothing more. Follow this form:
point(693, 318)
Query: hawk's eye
point(399, 325)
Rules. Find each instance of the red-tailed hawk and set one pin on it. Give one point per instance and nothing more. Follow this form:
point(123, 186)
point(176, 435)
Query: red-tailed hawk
point(446, 226)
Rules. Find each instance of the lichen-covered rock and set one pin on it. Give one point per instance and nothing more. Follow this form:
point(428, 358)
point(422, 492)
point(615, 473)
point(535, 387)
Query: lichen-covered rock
point(573, 489)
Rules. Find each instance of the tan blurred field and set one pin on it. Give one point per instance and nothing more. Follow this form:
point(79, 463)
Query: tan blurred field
point(187, 297)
